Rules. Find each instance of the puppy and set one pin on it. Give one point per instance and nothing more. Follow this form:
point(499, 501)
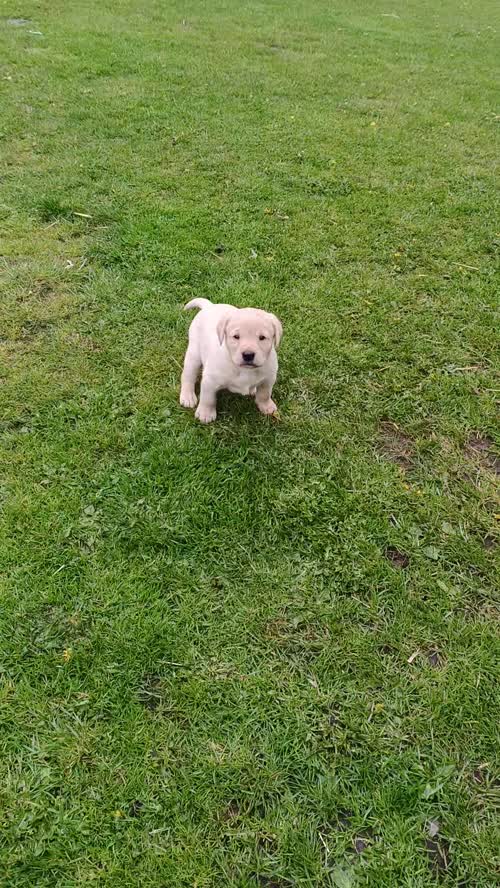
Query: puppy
point(236, 349)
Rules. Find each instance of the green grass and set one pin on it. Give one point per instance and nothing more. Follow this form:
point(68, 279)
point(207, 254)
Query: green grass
point(261, 653)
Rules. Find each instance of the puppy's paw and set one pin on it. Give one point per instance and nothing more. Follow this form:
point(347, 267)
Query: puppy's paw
point(206, 414)
point(267, 407)
point(188, 399)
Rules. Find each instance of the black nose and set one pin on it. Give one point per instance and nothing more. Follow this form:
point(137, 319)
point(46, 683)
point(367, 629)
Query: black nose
point(248, 357)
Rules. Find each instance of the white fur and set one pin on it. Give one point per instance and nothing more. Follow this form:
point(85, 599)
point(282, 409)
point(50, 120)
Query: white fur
point(219, 336)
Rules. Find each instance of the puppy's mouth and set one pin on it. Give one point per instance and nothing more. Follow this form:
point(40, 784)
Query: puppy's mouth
point(252, 365)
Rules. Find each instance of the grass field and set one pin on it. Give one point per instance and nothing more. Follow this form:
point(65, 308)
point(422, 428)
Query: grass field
point(261, 653)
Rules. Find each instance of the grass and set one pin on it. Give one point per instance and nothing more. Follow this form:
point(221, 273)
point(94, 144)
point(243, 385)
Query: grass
point(261, 653)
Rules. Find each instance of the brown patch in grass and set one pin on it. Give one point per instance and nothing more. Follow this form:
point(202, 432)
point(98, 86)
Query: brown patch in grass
point(480, 448)
point(35, 327)
point(231, 812)
point(150, 693)
point(276, 628)
point(438, 856)
point(16, 424)
point(396, 557)
point(482, 777)
point(270, 47)
point(388, 650)
point(281, 628)
point(434, 659)
point(153, 696)
point(344, 817)
point(267, 843)
point(41, 289)
point(486, 611)
point(303, 639)
point(273, 882)
point(395, 445)
point(135, 808)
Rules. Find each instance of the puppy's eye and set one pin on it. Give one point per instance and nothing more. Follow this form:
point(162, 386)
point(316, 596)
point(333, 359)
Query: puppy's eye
point(261, 337)
point(236, 336)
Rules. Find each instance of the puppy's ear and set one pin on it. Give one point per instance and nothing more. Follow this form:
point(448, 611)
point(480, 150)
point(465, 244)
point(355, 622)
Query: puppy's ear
point(221, 327)
point(278, 329)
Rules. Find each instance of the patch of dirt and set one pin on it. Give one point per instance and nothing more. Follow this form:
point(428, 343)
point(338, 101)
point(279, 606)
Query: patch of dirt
point(135, 808)
point(281, 627)
point(480, 448)
point(41, 289)
point(20, 424)
point(276, 628)
point(397, 558)
point(293, 639)
point(34, 328)
point(342, 824)
point(487, 611)
point(266, 842)
point(434, 659)
point(438, 856)
point(482, 777)
point(388, 650)
point(395, 445)
point(344, 817)
point(490, 542)
point(271, 47)
point(302, 636)
point(273, 882)
point(151, 692)
point(153, 696)
point(232, 812)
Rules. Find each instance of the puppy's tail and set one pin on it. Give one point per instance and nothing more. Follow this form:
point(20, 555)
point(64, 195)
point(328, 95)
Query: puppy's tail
point(197, 303)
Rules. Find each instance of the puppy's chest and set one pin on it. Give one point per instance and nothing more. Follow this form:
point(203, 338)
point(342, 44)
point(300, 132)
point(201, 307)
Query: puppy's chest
point(245, 384)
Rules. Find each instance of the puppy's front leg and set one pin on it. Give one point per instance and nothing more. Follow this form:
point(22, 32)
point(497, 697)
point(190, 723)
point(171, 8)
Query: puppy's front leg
point(263, 398)
point(207, 408)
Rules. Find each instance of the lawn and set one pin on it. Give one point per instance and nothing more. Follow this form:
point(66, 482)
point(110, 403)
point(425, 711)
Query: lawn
point(264, 653)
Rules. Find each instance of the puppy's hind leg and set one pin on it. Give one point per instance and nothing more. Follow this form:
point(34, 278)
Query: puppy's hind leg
point(192, 366)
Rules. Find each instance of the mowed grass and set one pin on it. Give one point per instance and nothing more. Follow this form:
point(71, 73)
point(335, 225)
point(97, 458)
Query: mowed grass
point(263, 653)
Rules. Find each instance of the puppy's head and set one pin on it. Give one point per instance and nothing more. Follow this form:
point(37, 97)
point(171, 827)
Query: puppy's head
point(250, 335)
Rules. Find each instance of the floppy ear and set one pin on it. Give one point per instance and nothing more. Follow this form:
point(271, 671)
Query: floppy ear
point(278, 329)
point(221, 327)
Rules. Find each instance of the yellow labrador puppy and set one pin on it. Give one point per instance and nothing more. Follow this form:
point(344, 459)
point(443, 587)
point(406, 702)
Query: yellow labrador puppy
point(236, 349)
